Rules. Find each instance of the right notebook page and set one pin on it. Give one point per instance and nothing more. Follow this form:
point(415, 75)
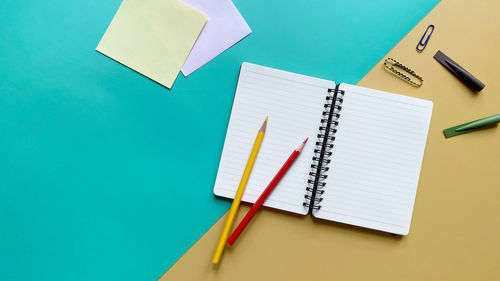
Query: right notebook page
point(375, 166)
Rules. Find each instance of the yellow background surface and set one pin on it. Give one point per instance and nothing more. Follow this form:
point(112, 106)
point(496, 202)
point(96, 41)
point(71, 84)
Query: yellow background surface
point(455, 231)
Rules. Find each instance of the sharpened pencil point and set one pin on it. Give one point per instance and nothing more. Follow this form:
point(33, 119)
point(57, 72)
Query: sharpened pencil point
point(264, 125)
point(301, 146)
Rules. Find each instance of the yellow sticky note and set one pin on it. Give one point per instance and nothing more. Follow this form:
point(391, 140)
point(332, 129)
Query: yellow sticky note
point(153, 37)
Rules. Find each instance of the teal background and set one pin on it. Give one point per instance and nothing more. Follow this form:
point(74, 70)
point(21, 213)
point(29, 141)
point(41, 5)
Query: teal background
point(106, 175)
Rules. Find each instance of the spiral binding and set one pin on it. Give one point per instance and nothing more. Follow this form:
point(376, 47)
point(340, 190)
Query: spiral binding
point(323, 150)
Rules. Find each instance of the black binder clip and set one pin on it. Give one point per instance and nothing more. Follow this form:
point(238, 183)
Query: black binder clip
point(421, 44)
point(468, 79)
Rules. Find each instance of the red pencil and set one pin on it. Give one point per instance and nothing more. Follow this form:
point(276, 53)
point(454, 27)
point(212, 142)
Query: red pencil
point(256, 206)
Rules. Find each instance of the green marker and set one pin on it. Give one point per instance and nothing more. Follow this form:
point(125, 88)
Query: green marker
point(471, 126)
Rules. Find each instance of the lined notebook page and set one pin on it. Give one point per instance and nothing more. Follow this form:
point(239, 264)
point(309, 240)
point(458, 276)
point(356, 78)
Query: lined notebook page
point(379, 146)
point(294, 104)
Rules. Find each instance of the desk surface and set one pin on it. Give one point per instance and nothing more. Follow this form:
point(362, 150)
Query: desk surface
point(456, 224)
point(99, 163)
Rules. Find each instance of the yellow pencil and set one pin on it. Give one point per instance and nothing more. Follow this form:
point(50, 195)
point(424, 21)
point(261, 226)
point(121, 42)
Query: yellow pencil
point(239, 194)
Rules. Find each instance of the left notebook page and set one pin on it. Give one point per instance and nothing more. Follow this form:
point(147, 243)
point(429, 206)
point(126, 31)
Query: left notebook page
point(294, 104)
point(153, 37)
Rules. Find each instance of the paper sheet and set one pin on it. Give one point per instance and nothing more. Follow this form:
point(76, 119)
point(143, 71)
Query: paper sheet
point(224, 28)
point(294, 104)
point(377, 154)
point(153, 37)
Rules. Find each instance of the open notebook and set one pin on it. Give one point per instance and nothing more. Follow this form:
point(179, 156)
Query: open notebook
point(361, 165)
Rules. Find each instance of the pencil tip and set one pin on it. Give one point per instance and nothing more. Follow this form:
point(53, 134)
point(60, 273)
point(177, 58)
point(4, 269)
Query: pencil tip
point(264, 125)
point(301, 146)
